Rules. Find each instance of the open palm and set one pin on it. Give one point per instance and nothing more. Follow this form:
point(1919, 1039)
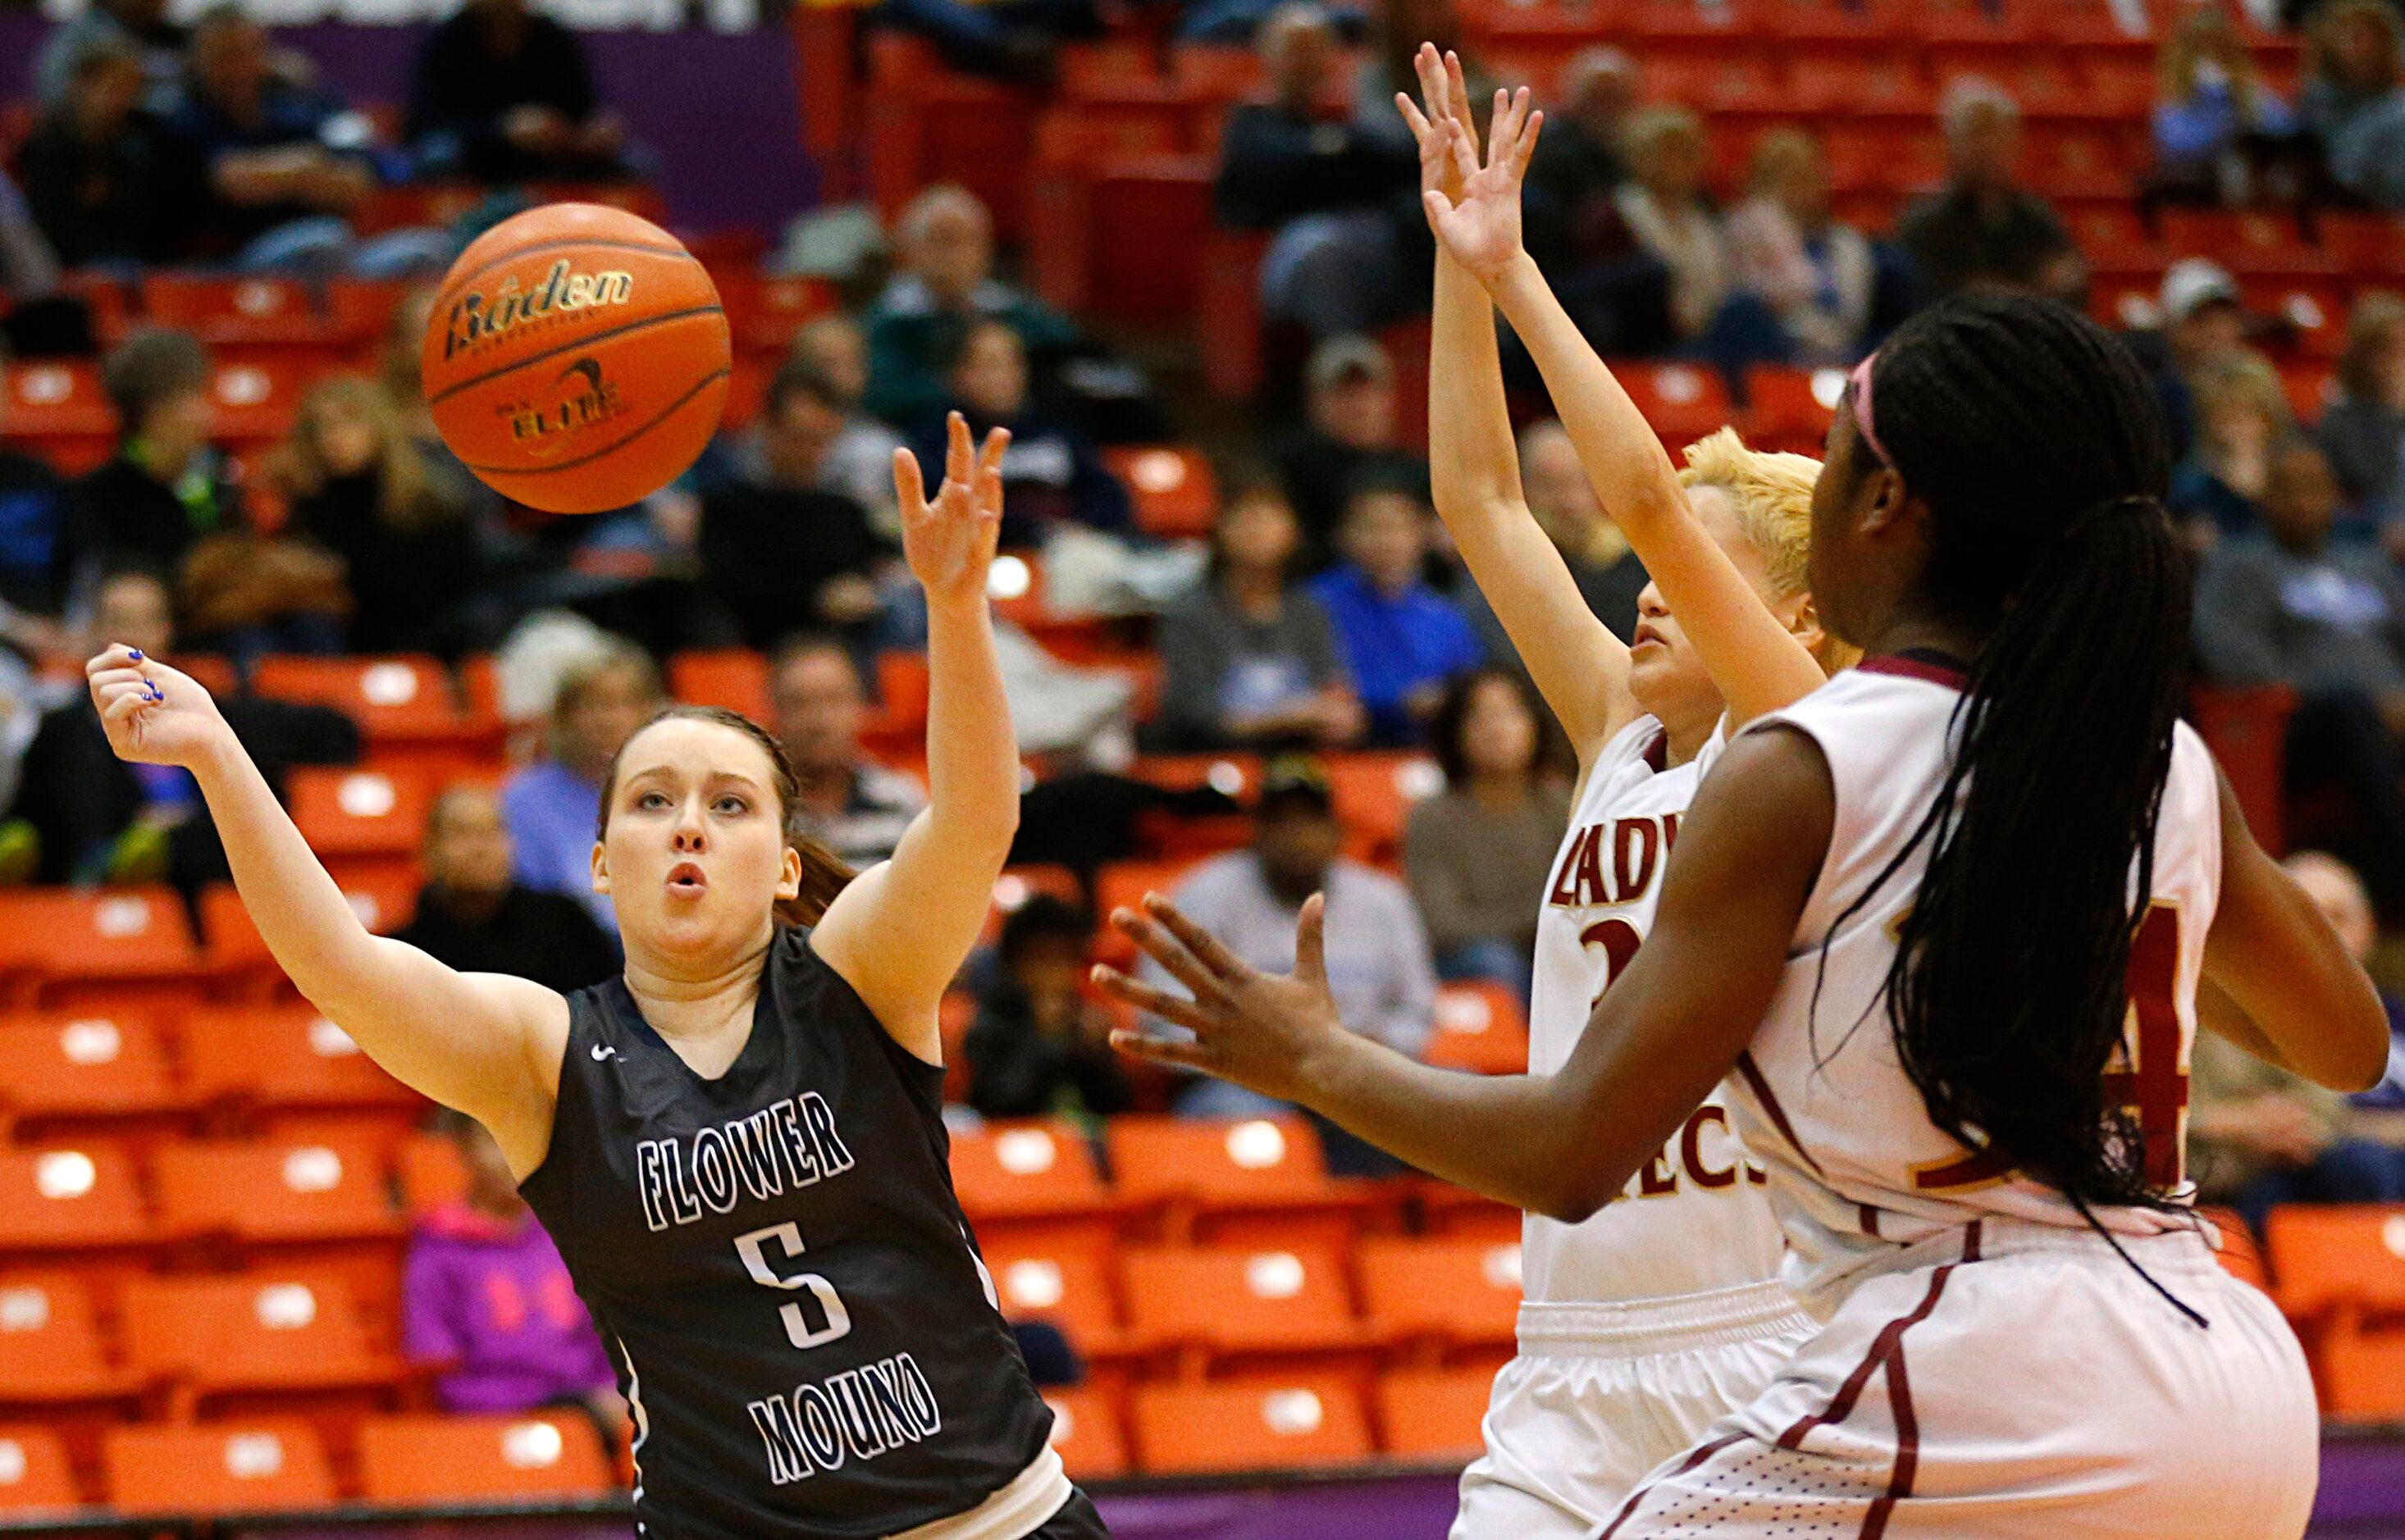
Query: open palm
point(1480, 223)
point(950, 541)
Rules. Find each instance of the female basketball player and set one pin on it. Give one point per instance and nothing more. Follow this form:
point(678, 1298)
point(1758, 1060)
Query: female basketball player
point(1949, 918)
point(738, 1146)
point(1644, 1324)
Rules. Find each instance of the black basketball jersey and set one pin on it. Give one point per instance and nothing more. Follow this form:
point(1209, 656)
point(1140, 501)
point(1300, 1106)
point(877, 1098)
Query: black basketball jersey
point(800, 1320)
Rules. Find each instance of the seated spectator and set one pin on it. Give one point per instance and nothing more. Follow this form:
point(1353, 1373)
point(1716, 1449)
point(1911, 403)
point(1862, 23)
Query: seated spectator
point(29, 269)
point(2353, 101)
point(2216, 125)
point(1662, 204)
point(1378, 967)
point(2290, 606)
point(275, 189)
point(1250, 660)
point(36, 504)
point(138, 28)
point(2241, 416)
point(1347, 439)
point(1040, 1047)
point(1052, 476)
point(360, 488)
point(99, 819)
point(1982, 230)
point(1401, 641)
point(1327, 186)
point(2203, 325)
point(1608, 573)
point(1475, 851)
point(944, 282)
point(860, 463)
point(164, 503)
point(504, 94)
point(846, 800)
point(106, 184)
point(2377, 1114)
point(472, 915)
point(486, 1299)
point(778, 550)
point(1579, 166)
point(1787, 250)
point(2259, 1136)
point(554, 806)
point(2363, 431)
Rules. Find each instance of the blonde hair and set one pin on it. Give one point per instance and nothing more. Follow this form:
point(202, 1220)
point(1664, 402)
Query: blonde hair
point(1655, 127)
point(1771, 494)
point(2246, 378)
point(2376, 315)
point(2204, 30)
point(1775, 152)
point(408, 499)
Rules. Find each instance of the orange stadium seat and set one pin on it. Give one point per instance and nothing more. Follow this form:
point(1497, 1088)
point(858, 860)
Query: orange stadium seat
point(345, 813)
point(237, 310)
point(1682, 402)
point(255, 400)
point(1433, 1414)
point(431, 1172)
point(1224, 1300)
point(1458, 1292)
point(2363, 1375)
point(735, 677)
point(1177, 497)
point(1086, 1432)
point(50, 1346)
point(2347, 1259)
point(764, 312)
point(1066, 1285)
point(1210, 1174)
point(1374, 793)
point(59, 411)
point(283, 1056)
point(1026, 1170)
point(34, 1471)
point(480, 1458)
point(1278, 1424)
point(109, 1068)
point(275, 1190)
point(113, 949)
point(237, 1467)
point(1790, 408)
point(248, 1334)
point(399, 699)
point(70, 1198)
point(2364, 243)
point(1456, 1213)
point(1479, 1027)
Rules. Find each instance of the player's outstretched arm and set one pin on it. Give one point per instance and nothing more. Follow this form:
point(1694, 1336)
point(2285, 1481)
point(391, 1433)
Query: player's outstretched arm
point(483, 1043)
point(2289, 992)
point(1757, 664)
point(1664, 1034)
point(900, 930)
point(1578, 664)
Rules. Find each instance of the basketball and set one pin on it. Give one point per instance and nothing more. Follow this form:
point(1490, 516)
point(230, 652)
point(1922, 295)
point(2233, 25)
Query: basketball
point(577, 358)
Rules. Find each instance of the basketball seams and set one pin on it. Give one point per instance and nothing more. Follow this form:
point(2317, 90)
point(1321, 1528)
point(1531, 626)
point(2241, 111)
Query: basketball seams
point(451, 287)
point(662, 416)
point(589, 339)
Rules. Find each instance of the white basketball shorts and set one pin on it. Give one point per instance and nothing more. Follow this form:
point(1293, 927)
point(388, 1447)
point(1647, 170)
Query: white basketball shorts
point(1602, 1393)
point(2016, 1381)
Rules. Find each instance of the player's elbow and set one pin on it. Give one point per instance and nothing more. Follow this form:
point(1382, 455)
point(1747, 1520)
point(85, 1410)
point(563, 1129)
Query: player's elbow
point(2365, 1062)
point(1574, 1196)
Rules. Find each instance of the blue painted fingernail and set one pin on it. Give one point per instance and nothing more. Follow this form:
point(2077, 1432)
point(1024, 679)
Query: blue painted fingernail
point(133, 653)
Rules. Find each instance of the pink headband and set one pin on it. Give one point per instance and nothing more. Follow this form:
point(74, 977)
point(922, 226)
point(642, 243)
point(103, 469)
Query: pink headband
point(1861, 381)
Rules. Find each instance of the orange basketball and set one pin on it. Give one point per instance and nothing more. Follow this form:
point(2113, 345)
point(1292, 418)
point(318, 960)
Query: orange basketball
point(576, 359)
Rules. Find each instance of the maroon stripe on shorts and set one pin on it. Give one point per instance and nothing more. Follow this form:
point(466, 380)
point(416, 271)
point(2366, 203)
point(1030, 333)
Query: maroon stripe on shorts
point(1692, 1459)
point(1883, 1347)
point(1907, 1449)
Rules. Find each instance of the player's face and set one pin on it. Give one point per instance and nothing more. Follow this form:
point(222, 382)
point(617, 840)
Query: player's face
point(1665, 673)
point(694, 855)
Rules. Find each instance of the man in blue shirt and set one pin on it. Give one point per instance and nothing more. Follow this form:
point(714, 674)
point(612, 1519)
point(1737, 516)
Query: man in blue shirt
point(553, 806)
point(268, 147)
point(1399, 640)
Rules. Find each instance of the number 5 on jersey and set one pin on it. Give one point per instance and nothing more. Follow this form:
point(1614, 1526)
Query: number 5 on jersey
point(833, 1320)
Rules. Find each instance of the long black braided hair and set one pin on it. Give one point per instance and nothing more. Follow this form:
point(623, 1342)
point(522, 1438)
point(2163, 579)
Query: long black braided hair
point(2035, 440)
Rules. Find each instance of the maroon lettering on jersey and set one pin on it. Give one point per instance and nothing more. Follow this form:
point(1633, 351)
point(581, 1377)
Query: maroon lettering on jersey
point(1636, 844)
point(1591, 889)
point(1563, 894)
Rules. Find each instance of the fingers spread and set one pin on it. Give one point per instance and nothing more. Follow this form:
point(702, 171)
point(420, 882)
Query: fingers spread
point(956, 449)
point(997, 444)
point(1527, 147)
point(1214, 955)
point(1168, 950)
point(1159, 1002)
point(1412, 118)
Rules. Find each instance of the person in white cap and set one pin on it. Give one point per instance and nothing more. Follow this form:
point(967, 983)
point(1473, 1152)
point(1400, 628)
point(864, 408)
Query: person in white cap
point(2204, 324)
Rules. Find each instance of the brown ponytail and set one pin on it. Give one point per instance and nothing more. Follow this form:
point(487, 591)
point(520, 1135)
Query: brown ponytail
point(825, 873)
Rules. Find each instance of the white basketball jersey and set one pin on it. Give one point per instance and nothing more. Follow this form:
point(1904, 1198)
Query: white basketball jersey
point(1856, 1165)
point(1694, 1217)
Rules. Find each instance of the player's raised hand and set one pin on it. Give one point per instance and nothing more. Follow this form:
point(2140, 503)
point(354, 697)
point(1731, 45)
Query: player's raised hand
point(1440, 170)
point(1261, 1031)
point(1480, 228)
point(949, 541)
point(153, 714)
